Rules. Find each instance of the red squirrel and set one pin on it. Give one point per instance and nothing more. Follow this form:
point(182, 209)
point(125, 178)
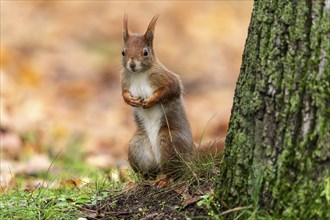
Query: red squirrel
point(163, 136)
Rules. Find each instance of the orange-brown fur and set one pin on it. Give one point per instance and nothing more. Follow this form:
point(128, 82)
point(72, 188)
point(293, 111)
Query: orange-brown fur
point(174, 138)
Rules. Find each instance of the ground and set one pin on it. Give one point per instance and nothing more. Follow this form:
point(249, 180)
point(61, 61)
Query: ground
point(146, 201)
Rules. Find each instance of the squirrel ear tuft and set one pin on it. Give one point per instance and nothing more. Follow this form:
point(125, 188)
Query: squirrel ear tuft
point(149, 35)
point(125, 30)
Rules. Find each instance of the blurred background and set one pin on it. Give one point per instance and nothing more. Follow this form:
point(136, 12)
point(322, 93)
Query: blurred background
point(60, 72)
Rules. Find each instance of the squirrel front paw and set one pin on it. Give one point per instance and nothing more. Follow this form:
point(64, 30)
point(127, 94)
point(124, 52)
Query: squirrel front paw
point(135, 101)
point(132, 101)
point(147, 103)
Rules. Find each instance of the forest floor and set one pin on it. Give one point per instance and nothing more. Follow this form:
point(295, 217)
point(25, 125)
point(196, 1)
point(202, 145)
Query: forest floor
point(146, 201)
point(108, 200)
point(190, 196)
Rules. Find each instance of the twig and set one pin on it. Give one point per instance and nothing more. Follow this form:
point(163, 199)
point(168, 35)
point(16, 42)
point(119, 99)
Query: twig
point(235, 209)
point(168, 125)
point(200, 140)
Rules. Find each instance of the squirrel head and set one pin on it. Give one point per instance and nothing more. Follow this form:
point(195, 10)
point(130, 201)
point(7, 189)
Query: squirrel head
point(138, 53)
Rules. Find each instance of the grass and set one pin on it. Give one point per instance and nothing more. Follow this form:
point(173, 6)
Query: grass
point(56, 198)
point(52, 203)
point(59, 195)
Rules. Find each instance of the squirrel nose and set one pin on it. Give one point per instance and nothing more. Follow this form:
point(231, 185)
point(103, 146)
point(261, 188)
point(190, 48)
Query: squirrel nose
point(132, 65)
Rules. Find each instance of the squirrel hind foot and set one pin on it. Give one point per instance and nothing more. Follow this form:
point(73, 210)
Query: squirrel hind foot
point(160, 183)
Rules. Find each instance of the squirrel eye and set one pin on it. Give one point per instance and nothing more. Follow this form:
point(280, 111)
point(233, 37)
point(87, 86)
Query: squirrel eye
point(123, 52)
point(145, 53)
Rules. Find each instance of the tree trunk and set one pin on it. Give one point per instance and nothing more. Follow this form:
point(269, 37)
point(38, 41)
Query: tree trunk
point(277, 156)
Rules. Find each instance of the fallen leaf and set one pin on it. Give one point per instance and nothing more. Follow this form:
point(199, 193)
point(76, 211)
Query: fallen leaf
point(191, 200)
point(10, 143)
point(71, 183)
point(101, 161)
point(128, 186)
point(36, 164)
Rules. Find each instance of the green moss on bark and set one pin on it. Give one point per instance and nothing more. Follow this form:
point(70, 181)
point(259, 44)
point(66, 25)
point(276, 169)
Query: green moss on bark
point(277, 153)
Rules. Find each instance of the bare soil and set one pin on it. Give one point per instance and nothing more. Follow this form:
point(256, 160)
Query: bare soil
point(146, 201)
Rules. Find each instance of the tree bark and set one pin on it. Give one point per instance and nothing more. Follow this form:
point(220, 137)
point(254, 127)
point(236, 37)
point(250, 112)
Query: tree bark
point(277, 156)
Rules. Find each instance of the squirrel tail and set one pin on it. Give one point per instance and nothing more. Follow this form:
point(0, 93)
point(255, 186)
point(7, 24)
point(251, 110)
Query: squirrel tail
point(212, 148)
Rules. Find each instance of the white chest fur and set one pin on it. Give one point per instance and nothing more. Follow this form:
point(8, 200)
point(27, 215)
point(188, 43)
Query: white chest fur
point(151, 117)
point(140, 86)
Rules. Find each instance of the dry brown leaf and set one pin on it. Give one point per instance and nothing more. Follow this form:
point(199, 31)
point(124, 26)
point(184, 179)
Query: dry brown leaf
point(36, 164)
point(71, 183)
point(128, 186)
point(191, 200)
point(101, 161)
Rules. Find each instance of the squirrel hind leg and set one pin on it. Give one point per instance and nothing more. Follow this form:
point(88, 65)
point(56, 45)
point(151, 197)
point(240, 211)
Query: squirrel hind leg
point(175, 150)
point(141, 158)
point(146, 174)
